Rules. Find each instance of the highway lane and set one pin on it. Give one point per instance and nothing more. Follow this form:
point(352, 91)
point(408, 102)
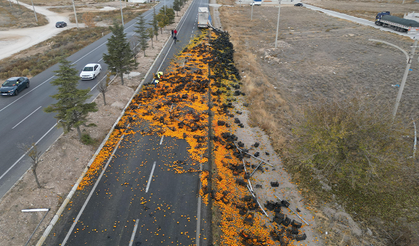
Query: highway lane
point(164, 205)
point(35, 125)
point(139, 200)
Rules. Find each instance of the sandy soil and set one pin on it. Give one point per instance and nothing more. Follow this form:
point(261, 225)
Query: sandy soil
point(317, 56)
point(64, 162)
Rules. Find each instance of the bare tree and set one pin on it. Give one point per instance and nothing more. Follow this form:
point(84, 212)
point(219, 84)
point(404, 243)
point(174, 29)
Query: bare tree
point(35, 154)
point(103, 86)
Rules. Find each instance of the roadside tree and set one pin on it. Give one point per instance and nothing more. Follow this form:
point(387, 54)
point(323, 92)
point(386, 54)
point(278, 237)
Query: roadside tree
point(155, 24)
point(120, 57)
point(31, 150)
point(163, 20)
point(71, 107)
point(103, 86)
point(142, 34)
point(177, 6)
point(150, 32)
point(171, 15)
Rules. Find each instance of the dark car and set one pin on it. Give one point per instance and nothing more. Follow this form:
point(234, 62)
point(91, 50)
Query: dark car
point(13, 86)
point(60, 24)
point(298, 4)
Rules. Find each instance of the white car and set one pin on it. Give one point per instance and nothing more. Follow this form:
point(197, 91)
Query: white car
point(90, 71)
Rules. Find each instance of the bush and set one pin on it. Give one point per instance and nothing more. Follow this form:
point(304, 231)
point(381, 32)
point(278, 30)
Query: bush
point(87, 140)
point(357, 148)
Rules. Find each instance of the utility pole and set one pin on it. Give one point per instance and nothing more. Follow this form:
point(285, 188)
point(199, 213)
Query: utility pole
point(122, 15)
point(251, 13)
point(36, 18)
point(277, 25)
point(75, 14)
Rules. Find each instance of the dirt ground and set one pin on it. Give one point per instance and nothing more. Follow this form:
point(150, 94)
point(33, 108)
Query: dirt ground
point(64, 162)
point(16, 16)
point(320, 56)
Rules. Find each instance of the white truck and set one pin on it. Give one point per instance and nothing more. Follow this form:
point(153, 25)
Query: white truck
point(203, 15)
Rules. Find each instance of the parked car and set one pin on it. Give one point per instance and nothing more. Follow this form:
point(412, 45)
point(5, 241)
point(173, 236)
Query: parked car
point(60, 24)
point(256, 3)
point(13, 86)
point(90, 71)
point(298, 4)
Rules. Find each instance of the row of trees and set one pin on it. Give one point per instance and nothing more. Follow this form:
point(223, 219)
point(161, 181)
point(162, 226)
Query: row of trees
point(71, 107)
point(165, 17)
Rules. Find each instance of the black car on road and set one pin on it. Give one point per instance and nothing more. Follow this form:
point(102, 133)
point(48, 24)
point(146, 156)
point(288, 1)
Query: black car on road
point(13, 86)
point(60, 24)
point(298, 4)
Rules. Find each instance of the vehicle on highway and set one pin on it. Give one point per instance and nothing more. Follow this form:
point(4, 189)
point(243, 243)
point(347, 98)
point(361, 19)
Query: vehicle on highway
point(60, 24)
point(298, 4)
point(396, 23)
point(90, 71)
point(14, 85)
point(203, 15)
point(256, 3)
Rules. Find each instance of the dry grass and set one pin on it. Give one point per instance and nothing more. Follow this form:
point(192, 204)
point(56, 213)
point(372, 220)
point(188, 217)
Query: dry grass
point(16, 16)
point(109, 17)
point(36, 59)
point(274, 109)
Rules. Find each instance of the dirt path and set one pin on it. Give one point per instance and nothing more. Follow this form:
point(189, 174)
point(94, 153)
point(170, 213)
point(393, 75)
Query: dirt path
point(15, 40)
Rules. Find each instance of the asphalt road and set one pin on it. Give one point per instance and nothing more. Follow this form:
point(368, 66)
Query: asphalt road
point(23, 120)
point(358, 20)
point(138, 199)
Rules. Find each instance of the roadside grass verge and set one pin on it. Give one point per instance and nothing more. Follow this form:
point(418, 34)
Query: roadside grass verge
point(16, 16)
point(109, 17)
point(49, 52)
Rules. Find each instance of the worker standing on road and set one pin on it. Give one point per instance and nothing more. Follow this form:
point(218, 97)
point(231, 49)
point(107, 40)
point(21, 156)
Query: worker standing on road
point(157, 78)
point(175, 33)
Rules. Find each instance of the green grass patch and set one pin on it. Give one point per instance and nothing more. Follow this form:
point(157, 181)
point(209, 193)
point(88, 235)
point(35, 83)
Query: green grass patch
point(87, 139)
point(53, 50)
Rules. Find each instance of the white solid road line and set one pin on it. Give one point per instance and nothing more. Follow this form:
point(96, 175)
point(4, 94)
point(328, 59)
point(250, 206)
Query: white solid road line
point(161, 140)
point(27, 117)
point(198, 212)
point(151, 176)
point(133, 232)
point(16, 162)
point(91, 193)
point(104, 77)
point(26, 94)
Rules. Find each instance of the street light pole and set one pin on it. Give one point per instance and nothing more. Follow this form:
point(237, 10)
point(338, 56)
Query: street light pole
point(75, 14)
point(406, 72)
point(277, 25)
point(251, 13)
point(409, 59)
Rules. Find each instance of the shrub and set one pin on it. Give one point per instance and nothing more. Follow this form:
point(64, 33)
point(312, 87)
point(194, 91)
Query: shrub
point(357, 148)
point(87, 140)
